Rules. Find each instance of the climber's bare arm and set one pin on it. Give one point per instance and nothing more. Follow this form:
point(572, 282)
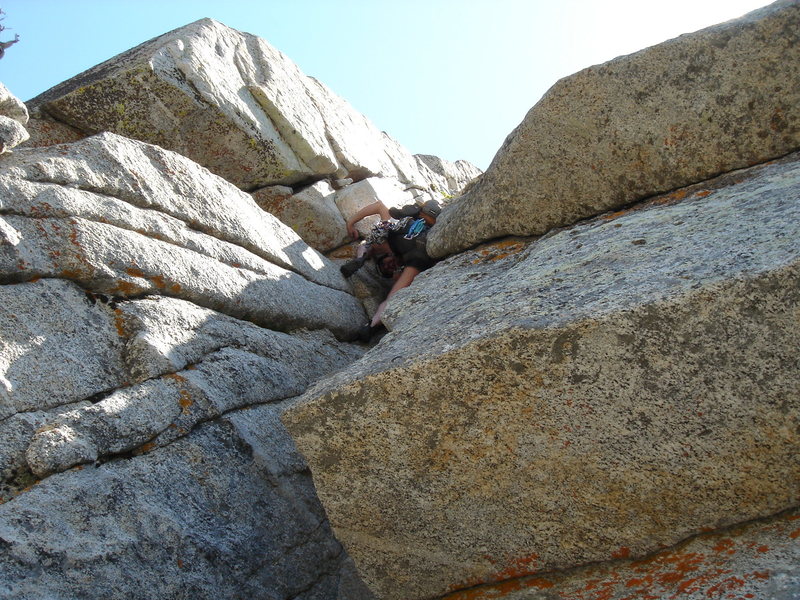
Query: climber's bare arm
point(405, 279)
point(376, 208)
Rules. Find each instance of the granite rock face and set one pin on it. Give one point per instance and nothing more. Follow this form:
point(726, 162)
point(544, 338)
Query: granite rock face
point(668, 116)
point(607, 410)
point(312, 213)
point(149, 427)
point(457, 174)
point(234, 104)
point(154, 324)
point(227, 511)
point(126, 218)
point(13, 117)
point(756, 560)
point(609, 389)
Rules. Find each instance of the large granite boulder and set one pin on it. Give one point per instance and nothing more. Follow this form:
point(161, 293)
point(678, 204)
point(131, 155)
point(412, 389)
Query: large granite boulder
point(234, 104)
point(154, 324)
point(607, 390)
point(13, 117)
point(141, 452)
point(125, 218)
point(228, 511)
point(678, 113)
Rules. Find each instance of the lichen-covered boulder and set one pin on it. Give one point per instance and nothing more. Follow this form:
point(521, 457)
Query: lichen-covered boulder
point(754, 560)
point(234, 104)
point(668, 116)
point(607, 390)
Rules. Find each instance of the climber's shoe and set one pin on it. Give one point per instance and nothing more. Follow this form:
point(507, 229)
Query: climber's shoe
point(351, 266)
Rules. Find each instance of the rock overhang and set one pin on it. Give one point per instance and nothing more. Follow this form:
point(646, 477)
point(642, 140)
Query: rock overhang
point(668, 116)
point(575, 388)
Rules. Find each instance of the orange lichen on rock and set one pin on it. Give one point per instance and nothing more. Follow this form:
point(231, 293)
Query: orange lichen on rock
point(512, 578)
point(176, 377)
point(621, 553)
point(674, 196)
point(144, 448)
point(119, 323)
point(499, 250)
point(615, 215)
point(126, 288)
point(185, 401)
point(502, 589)
point(709, 565)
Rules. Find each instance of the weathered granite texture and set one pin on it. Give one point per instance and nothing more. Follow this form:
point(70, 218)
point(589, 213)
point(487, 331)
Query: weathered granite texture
point(457, 174)
point(312, 213)
point(610, 388)
point(154, 323)
point(166, 501)
point(13, 117)
point(678, 113)
point(757, 560)
point(46, 131)
point(125, 219)
point(234, 104)
point(228, 511)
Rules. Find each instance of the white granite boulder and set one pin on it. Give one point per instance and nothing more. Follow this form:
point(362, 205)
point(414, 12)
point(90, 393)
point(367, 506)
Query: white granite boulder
point(125, 218)
point(607, 390)
point(312, 213)
point(13, 117)
point(234, 104)
point(675, 114)
point(146, 433)
point(352, 198)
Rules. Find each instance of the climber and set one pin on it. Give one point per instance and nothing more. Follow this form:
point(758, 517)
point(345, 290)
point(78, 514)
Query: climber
point(396, 244)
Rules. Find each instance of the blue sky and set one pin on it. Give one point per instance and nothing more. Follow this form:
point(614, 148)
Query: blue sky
point(444, 77)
